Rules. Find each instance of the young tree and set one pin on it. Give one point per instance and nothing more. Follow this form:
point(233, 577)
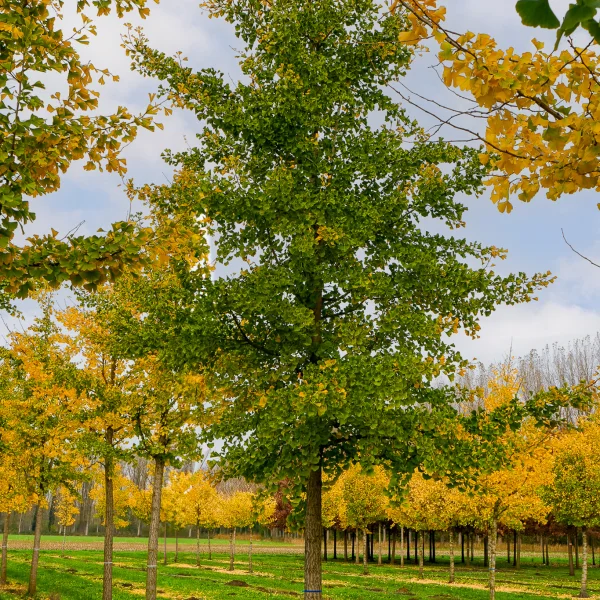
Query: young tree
point(574, 495)
point(66, 511)
point(323, 343)
point(202, 503)
point(107, 421)
point(236, 511)
point(42, 418)
point(365, 500)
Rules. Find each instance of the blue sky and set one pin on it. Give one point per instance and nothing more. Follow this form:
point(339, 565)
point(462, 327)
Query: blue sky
point(532, 233)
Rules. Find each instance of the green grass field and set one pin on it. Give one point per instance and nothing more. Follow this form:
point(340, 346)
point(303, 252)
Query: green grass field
point(78, 575)
point(183, 540)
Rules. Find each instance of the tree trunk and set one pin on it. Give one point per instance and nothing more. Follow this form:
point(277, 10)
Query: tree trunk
point(486, 549)
point(402, 546)
point(325, 544)
point(472, 538)
point(393, 535)
point(345, 545)
point(462, 547)
point(468, 544)
point(408, 544)
point(198, 545)
point(153, 533)
point(451, 578)
point(366, 553)
point(312, 542)
point(357, 538)
point(4, 548)
point(543, 549)
point(547, 552)
point(176, 544)
point(109, 516)
point(165, 545)
point(64, 541)
point(32, 588)
point(335, 544)
point(231, 548)
point(492, 544)
point(417, 553)
point(421, 548)
point(518, 565)
point(576, 536)
point(353, 535)
point(593, 551)
point(379, 561)
point(570, 545)
point(508, 548)
point(584, 565)
point(209, 546)
point(250, 569)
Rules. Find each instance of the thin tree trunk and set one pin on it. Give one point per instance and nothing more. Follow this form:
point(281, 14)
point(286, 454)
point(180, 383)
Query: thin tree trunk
point(379, 561)
point(393, 535)
point(357, 557)
point(231, 548)
point(198, 545)
point(402, 546)
point(209, 546)
point(335, 544)
point(153, 533)
point(486, 549)
point(421, 548)
point(5, 548)
point(468, 544)
point(451, 578)
point(109, 516)
point(492, 544)
point(250, 569)
point(324, 544)
point(176, 544)
point(576, 536)
point(472, 537)
point(32, 588)
point(313, 576)
point(462, 547)
point(547, 552)
point(543, 549)
point(64, 541)
point(165, 545)
point(345, 545)
point(593, 551)
point(518, 550)
point(366, 553)
point(584, 565)
point(508, 548)
point(570, 545)
point(408, 544)
point(353, 544)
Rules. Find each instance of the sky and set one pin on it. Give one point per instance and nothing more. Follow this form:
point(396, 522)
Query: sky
point(569, 309)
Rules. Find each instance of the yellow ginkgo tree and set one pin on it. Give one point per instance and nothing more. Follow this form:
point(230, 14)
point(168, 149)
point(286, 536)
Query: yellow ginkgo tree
point(236, 511)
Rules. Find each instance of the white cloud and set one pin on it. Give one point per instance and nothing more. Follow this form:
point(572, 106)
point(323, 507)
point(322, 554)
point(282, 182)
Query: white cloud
point(526, 327)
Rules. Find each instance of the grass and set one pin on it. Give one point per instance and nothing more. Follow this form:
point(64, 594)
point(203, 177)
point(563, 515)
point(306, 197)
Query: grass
point(183, 540)
point(78, 576)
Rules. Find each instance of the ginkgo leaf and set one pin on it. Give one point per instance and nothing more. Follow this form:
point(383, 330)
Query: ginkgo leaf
point(537, 13)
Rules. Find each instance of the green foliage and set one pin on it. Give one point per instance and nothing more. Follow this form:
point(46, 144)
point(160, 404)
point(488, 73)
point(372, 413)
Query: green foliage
point(323, 338)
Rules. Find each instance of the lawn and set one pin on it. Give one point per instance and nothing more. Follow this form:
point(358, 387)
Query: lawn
point(78, 576)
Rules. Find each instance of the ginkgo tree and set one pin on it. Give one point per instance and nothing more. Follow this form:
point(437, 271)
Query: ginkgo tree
point(574, 492)
point(236, 511)
point(324, 335)
point(42, 415)
point(66, 511)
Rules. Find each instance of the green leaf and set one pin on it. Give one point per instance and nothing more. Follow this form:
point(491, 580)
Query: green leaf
point(537, 13)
